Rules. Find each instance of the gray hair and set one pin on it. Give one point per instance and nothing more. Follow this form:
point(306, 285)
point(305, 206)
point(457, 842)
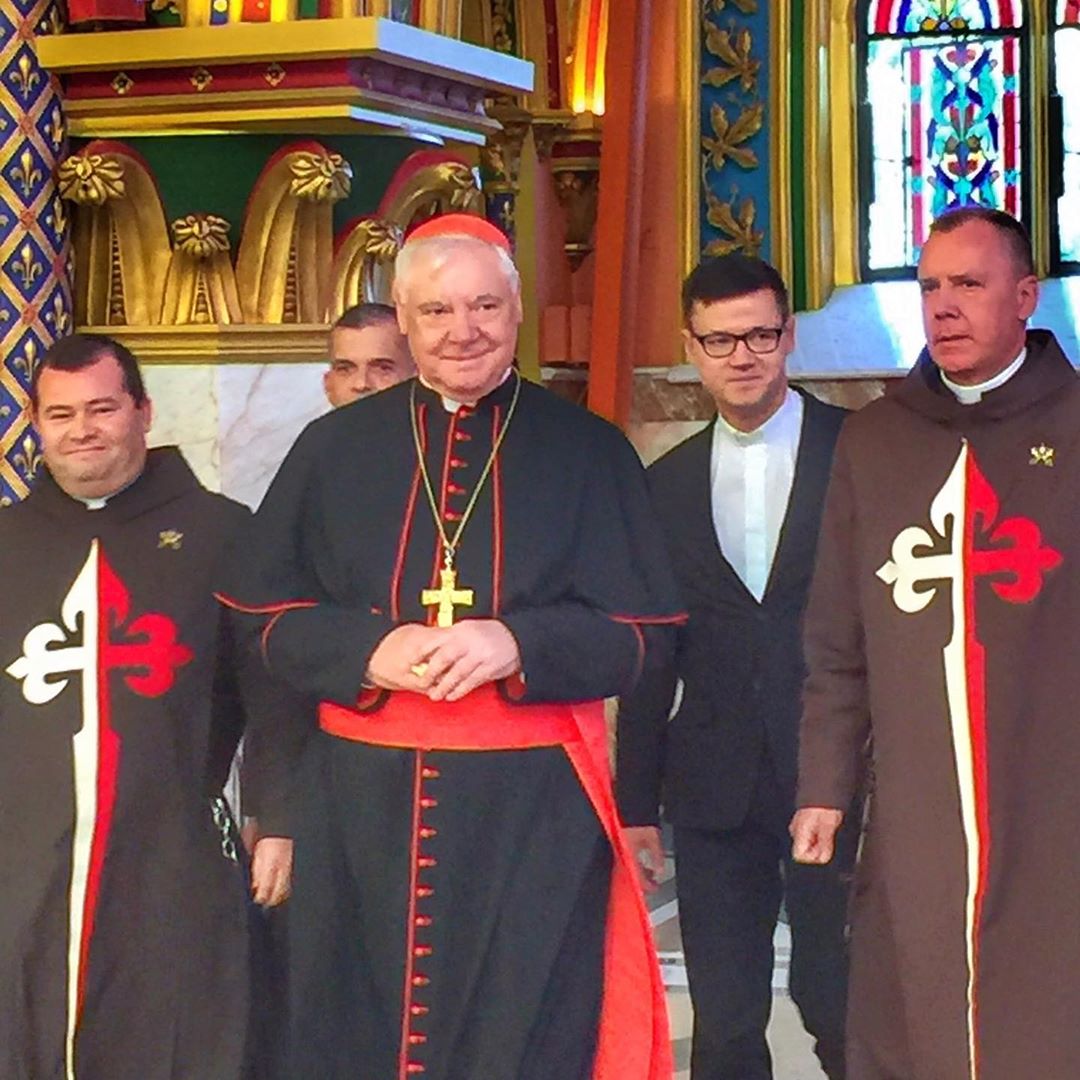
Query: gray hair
point(439, 250)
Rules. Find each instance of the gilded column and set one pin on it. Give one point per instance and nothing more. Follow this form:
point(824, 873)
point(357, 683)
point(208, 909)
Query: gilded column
point(35, 293)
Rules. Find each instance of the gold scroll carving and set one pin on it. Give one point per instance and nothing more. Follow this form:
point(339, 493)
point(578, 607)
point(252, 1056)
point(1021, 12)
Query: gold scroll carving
point(286, 250)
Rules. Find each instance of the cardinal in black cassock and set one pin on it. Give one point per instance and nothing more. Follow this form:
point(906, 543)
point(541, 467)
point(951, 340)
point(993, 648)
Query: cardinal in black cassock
point(463, 905)
point(123, 917)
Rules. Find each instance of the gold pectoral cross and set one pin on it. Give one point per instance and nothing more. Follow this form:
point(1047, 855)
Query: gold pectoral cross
point(447, 596)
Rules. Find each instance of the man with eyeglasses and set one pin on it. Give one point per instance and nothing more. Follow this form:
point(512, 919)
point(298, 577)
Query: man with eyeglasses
point(741, 502)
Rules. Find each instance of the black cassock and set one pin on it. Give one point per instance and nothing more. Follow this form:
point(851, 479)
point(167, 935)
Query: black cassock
point(123, 915)
point(486, 881)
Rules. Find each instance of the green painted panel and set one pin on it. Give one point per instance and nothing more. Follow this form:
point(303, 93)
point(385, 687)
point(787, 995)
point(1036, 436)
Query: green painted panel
point(215, 173)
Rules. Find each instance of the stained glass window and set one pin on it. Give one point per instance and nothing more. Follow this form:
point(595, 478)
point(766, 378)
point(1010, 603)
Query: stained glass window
point(941, 117)
point(1067, 90)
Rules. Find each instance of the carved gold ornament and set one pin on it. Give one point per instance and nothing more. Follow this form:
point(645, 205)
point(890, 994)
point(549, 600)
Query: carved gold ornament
point(737, 226)
point(320, 177)
point(201, 78)
point(274, 74)
point(733, 50)
point(91, 179)
point(201, 235)
point(729, 136)
point(122, 83)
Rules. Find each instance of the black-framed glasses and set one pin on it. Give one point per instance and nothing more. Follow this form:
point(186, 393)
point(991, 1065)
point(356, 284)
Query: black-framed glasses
point(760, 340)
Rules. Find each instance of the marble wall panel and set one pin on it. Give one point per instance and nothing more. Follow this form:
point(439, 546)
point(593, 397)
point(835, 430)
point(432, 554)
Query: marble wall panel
point(185, 414)
point(262, 408)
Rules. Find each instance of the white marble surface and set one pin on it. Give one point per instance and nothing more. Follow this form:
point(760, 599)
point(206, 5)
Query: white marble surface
point(233, 422)
point(185, 414)
point(262, 408)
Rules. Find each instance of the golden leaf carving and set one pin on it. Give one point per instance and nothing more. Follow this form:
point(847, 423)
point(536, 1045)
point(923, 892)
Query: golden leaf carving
point(320, 177)
point(459, 183)
point(734, 51)
point(91, 179)
point(201, 235)
point(383, 240)
point(729, 136)
point(738, 226)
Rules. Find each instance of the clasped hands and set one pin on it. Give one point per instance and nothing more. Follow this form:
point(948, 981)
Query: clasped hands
point(445, 663)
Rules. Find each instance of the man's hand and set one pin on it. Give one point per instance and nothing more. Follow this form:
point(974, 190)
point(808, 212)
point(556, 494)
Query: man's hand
point(271, 870)
point(469, 654)
point(403, 649)
point(813, 834)
point(648, 852)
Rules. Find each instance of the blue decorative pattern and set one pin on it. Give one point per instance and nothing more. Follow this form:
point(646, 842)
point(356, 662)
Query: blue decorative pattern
point(35, 294)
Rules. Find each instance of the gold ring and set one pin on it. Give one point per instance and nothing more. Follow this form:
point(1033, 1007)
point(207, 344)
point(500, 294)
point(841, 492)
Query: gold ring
point(419, 670)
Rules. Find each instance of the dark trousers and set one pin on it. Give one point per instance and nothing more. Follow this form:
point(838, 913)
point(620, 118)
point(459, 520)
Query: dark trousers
point(730, 884)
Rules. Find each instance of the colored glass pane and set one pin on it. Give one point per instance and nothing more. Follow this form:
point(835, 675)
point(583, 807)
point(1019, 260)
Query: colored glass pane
point(1066, 49)
point(945, 132)
point(1068, 13)
point(942, 16)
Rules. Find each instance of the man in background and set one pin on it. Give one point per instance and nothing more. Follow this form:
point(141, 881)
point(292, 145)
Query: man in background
point(368, 353)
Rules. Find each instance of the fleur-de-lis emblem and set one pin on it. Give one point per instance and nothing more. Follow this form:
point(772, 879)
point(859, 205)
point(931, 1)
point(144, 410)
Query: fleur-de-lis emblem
point(25, 77)
point(26, 174)
point(27, 360)
point(320, 177)
point(28, 458)
point(27, 267)
point(1042, 455)
point(54, 129)
point(170, 539)
point(91, 179)
point(201, 235)
point(58, 317)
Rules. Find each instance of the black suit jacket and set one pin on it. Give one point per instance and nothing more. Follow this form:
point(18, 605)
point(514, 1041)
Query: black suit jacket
point(741, 661)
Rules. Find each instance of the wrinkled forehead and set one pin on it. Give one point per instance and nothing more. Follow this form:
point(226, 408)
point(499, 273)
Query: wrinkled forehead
point(460, 270)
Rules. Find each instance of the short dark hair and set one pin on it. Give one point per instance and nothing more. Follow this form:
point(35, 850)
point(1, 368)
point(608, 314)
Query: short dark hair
point(78, 351)
point(723, 277)
point(361, 316)
point(1013, 231)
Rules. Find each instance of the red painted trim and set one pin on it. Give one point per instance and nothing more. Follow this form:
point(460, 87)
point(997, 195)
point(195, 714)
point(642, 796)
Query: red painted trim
point(592, 47)
point(496, 523)
point(407, 522)
point(227, 78)
point(410, 923)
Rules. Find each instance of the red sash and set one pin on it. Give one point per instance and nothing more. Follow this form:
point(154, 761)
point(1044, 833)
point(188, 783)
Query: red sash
point(634, 1042)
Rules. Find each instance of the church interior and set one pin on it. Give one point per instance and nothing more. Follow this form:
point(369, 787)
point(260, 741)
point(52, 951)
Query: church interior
point(213, 182)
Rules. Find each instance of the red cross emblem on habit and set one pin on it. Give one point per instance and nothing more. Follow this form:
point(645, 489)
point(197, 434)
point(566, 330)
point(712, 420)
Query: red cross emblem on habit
point(966, 544)
point(90, 642)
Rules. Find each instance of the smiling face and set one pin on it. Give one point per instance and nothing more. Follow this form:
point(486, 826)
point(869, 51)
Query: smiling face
point(93, 435)
point(365, 360)
point(976, 300)
point(461, 313)
point(748, 387)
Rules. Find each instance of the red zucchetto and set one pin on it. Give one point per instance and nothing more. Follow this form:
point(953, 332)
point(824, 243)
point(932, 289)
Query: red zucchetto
point(460, 225)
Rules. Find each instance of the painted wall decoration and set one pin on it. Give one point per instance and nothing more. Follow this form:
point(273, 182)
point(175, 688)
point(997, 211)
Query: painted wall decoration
point(734, 146)
point(944, 86)
point(35, 299)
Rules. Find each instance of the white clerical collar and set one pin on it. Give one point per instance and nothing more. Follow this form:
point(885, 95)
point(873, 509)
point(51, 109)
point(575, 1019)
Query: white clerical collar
point(770, 428)
point(970, 395)
point(94, 504)
point(449, 404)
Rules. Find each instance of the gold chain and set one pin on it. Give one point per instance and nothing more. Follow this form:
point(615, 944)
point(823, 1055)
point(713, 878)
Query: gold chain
point(450, 544)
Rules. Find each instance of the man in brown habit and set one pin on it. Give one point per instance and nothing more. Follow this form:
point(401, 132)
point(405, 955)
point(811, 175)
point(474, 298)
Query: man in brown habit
point(943, 627)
